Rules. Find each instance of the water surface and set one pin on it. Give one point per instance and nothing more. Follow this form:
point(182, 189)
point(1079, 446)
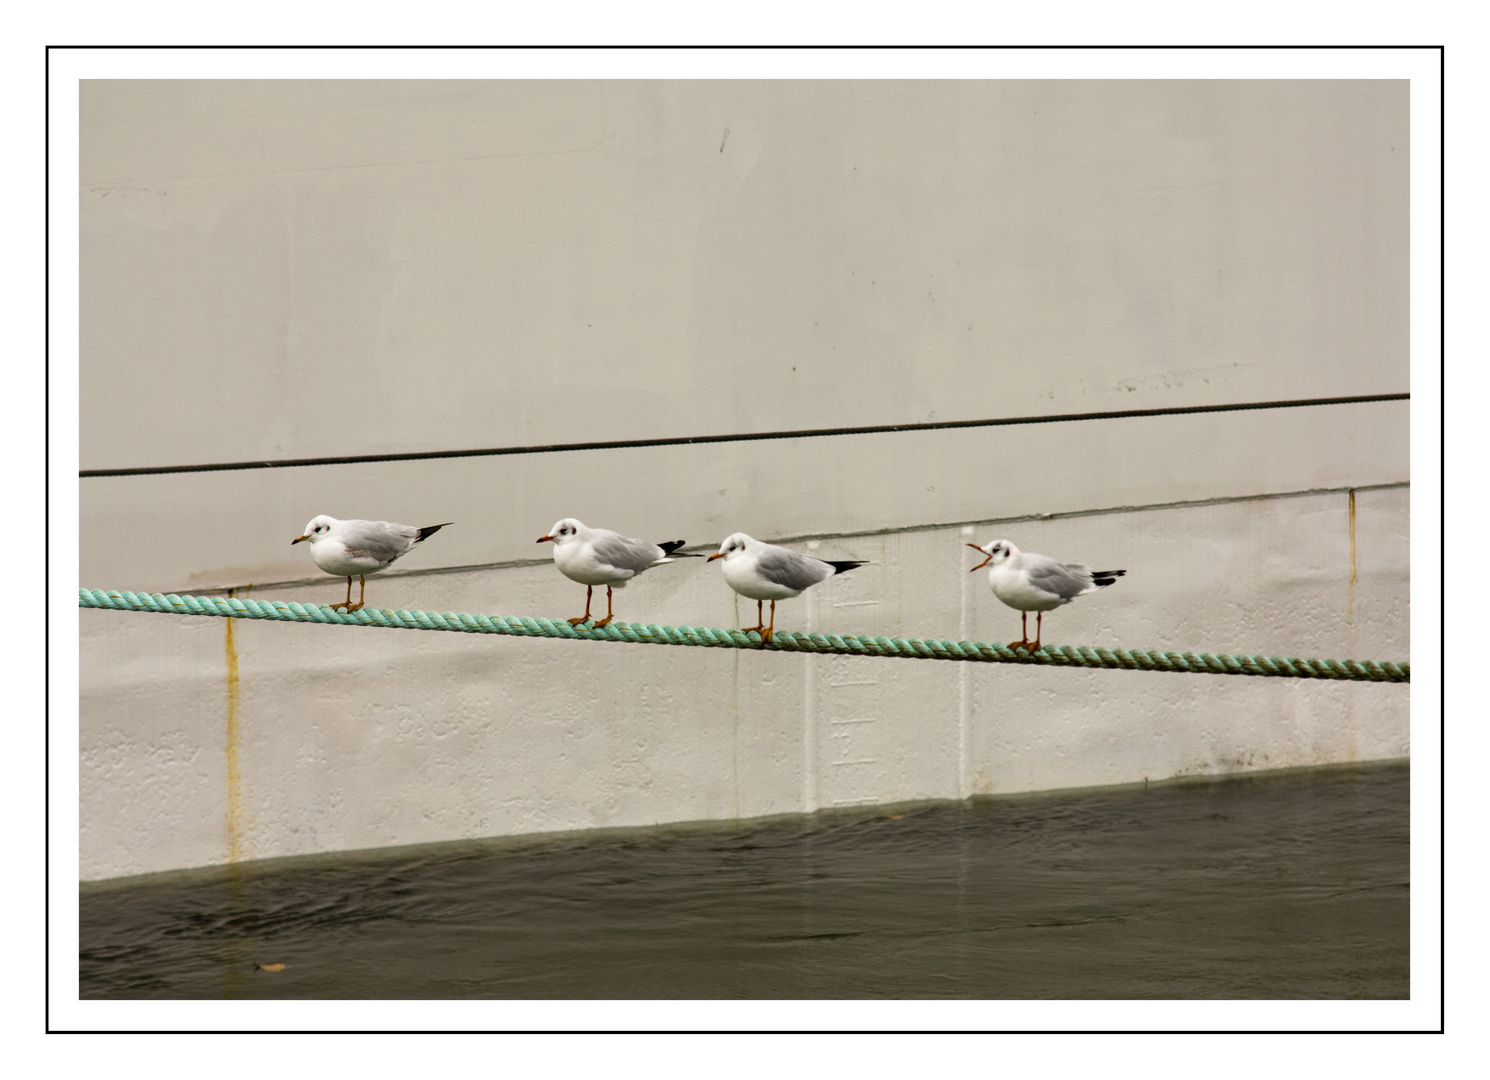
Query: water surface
point(1291, 885)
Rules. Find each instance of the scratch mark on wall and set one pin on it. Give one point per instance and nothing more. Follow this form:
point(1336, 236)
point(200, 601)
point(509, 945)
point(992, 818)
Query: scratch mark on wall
point(1174, 380)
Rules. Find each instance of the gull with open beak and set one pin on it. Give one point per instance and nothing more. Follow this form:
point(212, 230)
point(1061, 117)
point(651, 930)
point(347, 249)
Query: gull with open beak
point(1029, 582)
point(359, 547)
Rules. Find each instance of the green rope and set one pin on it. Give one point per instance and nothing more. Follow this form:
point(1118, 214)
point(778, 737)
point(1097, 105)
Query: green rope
point(637, 633)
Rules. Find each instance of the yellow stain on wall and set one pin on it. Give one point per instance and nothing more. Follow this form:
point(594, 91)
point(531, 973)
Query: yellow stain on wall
point(1350, 609)
point(235, 787)
point(1350, 743)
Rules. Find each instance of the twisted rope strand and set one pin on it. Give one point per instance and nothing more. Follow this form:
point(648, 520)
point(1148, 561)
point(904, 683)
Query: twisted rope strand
point(642, 633)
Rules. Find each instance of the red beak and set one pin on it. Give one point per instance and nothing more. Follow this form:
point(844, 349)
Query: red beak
point(980, 551)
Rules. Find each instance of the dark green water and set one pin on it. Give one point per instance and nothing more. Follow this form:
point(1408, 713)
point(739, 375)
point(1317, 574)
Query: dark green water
point(1293, 885)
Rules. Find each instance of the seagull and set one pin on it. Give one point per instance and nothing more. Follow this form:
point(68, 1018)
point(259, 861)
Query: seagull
point(601, 557)
point(359, 547)
point(767, 572)
point(1029, 582)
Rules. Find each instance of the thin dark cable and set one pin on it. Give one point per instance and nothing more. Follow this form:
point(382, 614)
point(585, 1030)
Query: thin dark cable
point(695, 440)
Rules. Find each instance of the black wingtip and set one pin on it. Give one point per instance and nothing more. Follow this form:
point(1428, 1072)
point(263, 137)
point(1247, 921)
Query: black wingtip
point(430, 530)
point(845, 567)
point(1104, 578)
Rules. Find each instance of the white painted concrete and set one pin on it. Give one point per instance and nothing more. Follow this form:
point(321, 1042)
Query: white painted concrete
point(287, 269)
point(365, 738)
point(353, 268)
point(240, 524)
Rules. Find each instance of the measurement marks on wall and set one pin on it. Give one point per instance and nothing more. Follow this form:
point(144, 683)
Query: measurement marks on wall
point(851, 755)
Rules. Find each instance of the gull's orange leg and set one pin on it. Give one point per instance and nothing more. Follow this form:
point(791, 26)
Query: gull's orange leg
point(1039, 619)
point(608, 616)
point(346, 605)
point(1024, 632)
point(589, 589)
point(760, 620)
point(766, 634)
point(361, 593)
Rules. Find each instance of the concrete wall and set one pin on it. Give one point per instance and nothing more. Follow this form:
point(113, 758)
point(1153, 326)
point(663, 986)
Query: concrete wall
point(280, 270)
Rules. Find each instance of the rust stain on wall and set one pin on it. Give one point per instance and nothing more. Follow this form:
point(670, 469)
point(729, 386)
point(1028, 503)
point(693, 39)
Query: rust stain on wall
point(1350, 608)
point(235, 786)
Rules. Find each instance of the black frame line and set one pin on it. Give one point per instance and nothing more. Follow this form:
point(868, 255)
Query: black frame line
point(696, 440)
point(1442, 722)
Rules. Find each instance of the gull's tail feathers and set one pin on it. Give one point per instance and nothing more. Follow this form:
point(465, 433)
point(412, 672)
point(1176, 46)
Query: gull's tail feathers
point(671, 552)
point(845, 567)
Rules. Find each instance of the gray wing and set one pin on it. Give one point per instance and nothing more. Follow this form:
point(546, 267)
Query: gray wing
point(383, 540)
point(1066, 580)
point(785, 567)
point(624, 553)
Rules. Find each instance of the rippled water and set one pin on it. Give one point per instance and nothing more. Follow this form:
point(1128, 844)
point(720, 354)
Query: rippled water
point(1293, 885)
